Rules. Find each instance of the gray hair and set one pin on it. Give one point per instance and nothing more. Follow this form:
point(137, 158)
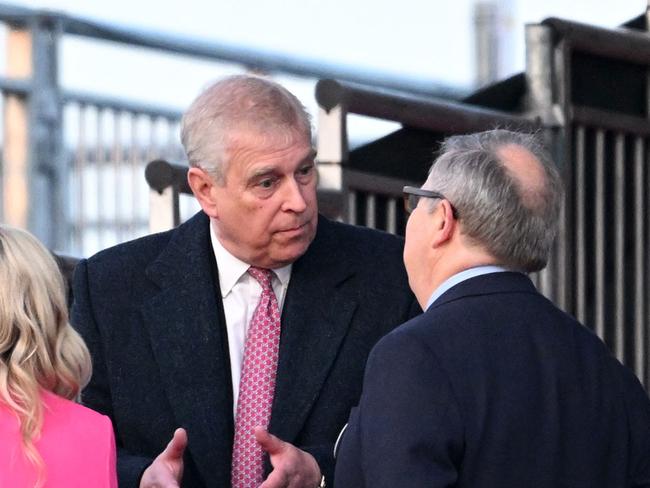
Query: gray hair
point(234, 104)
point(515, 223)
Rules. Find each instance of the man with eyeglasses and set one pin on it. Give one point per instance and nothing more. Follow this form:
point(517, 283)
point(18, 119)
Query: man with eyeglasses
point(492, 386)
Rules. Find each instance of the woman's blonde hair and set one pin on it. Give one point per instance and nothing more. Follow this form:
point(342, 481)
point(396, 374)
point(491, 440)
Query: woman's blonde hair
point(38, 347)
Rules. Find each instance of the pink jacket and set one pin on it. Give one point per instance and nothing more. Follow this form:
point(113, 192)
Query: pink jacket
point(77, 446)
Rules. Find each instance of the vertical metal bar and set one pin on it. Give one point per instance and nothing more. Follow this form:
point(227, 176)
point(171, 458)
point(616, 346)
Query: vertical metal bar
point(640, 210)
point(545, 284)
point(135, 174)
point(171, 139)
point(163, 214)
point(371, 210)
point(599, 235)
point(619, 246)
point(558, 269)
point(16, 167)
point(486, 42)
point(545, 72)
point(100, 177)
point(153, 143)
point(49, 180)
point(391, 215)
point(118, 188)
point(645, 323)
point(81, 160)
point(580, 245)
point(332, 147)
point(561, 144)
point(647, 260)
point(539, 68)
point(352, 207)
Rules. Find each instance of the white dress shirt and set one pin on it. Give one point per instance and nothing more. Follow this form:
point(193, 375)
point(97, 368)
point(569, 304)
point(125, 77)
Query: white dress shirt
point(241, 293)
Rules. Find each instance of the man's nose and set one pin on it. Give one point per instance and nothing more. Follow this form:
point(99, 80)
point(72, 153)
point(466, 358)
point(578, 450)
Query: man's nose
point(294, 200)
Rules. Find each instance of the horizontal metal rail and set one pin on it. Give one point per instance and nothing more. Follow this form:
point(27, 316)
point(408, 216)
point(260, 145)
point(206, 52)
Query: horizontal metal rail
point(161, 174)
point(620, 44)
point(423, 113)
point(120, 105)
point(263, 60)
point(609, 120)
point(24, 87)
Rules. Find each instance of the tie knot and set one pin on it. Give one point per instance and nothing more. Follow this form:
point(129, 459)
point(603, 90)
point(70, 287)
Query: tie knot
point(263, 277)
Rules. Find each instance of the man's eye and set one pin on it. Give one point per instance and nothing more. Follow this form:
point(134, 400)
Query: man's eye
point(268, 183)
point(305, 170)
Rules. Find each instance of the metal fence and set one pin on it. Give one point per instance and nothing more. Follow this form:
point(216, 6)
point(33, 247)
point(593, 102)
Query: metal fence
point(588, 91)
point(370, 198)
point(112, 143)
point(73, 163)
point(593, 89)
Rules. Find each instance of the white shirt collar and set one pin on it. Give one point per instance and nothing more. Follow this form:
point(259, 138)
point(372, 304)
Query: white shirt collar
point(231, 269)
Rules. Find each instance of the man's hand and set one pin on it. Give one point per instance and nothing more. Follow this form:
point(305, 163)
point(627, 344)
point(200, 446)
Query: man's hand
point(166, 471)
point(292, 468)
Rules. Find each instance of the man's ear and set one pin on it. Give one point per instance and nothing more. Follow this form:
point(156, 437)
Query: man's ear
point(203, 185)
point(445, 223)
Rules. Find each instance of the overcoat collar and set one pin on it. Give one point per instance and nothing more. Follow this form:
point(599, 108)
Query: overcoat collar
point(186, 337)
point(504, 282)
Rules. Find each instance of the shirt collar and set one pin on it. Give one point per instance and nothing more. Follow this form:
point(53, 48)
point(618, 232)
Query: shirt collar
point(460, 277)
point(231, 269)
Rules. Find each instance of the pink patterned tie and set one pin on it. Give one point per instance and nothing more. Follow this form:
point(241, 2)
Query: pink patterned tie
point(257, 384)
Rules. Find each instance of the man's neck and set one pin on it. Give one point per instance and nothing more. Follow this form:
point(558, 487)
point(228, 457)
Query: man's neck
point(450, 264)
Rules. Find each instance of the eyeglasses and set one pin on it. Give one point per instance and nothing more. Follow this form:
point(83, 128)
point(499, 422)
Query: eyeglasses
point(413, 194)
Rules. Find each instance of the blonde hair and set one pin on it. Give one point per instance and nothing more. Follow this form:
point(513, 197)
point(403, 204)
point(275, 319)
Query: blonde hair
point(38, 347)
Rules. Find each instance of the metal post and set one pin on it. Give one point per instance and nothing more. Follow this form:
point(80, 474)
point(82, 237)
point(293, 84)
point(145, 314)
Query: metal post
point(49, 195)
point(541, 101)
point(540, 97)
point(164, 213)
point(332, 148)
point(486, 41)
point(15, 158)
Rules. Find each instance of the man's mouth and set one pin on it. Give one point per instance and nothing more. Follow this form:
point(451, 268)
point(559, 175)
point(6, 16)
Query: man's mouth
point(294, 230)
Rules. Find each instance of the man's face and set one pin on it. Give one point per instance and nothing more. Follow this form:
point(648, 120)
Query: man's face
point(415, 245)
point(266, 210)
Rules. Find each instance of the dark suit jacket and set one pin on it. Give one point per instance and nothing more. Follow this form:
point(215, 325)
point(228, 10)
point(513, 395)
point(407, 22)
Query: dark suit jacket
point(151, 315)
point(495, 387)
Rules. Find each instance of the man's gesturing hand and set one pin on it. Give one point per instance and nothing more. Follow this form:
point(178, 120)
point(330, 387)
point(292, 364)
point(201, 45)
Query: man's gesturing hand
point(292, 468)
point(166, 471)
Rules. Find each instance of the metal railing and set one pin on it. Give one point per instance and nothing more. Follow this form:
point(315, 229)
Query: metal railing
point(596, 83)
point(588, 92)
point(371, 199)
point(72, 162)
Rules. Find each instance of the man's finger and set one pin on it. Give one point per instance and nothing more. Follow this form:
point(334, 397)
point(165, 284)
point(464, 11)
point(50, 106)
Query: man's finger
point(176, 446)
point(276, 479)
point(269, 442)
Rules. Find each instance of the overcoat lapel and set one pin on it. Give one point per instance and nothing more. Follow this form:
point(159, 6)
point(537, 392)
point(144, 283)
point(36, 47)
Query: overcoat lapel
point(184, 327)
point(316, 316)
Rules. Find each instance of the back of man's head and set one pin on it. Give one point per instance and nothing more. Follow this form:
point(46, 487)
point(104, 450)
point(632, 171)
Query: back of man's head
point(507, 193)
point(236, 106)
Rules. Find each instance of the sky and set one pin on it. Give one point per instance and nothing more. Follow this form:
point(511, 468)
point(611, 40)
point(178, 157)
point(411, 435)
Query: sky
point(424, 39)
